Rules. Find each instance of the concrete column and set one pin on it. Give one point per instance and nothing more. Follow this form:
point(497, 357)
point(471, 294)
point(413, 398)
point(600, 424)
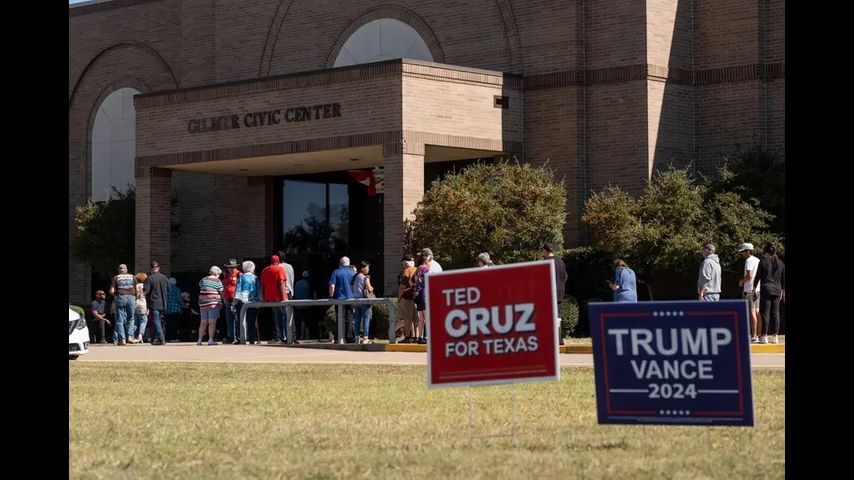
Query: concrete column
point(404, 188)
point(153, 218)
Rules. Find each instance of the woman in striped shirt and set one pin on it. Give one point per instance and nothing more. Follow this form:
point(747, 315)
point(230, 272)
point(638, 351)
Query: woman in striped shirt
point(210, 301)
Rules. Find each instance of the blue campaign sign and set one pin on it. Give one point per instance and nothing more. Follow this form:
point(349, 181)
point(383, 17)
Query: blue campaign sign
point(680, 363)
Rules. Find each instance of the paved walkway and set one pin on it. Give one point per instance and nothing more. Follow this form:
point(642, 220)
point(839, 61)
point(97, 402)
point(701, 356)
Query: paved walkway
point(190, 352)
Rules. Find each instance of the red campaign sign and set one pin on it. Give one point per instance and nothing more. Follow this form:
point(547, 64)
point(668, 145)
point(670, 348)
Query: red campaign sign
point(492, 325)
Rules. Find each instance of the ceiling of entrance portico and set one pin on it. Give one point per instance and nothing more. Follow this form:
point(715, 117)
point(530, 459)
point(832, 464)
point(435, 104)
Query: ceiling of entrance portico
point(324, 161)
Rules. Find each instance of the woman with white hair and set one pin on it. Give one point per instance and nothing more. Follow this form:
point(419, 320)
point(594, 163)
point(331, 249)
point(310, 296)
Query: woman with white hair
point(483, 260)
point(210, 301)
point(246, 292)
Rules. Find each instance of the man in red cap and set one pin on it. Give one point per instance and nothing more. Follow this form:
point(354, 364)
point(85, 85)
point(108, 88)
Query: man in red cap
point(274, 289)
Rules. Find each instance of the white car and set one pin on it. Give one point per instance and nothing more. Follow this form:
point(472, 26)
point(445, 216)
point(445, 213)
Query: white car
point(78, 335)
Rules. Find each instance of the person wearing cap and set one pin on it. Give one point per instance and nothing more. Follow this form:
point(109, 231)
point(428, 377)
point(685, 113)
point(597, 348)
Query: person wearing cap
point(406, 311)
point(560, 283)
point(709, 276)
point(122, 289)
point(229, 285)
point(210, 301)
point(749, 293)
point(302, 291)
point(274, 289)
point(156, 291)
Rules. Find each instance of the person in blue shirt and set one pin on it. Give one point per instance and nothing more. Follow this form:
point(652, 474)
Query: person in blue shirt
point(339, 289)
point(624, 284)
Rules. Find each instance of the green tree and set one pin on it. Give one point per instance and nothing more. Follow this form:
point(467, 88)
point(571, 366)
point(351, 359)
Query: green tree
point(104, 232)
point(508, 209)
point(673, 217)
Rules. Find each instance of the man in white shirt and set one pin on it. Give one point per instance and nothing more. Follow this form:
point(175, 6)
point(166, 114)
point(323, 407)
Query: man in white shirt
point(751, 265)
point(289, 311)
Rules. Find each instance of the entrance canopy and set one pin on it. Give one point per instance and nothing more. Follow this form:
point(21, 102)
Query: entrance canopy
point(335, 119)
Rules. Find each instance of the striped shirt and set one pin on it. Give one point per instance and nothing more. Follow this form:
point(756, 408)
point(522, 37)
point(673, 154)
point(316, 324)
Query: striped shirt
point(210, 292)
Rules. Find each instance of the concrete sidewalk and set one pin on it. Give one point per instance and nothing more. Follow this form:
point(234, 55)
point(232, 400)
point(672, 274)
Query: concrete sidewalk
point(263, 353)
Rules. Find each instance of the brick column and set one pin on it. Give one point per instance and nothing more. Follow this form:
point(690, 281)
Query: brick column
point(404, 188)
point(153, 218)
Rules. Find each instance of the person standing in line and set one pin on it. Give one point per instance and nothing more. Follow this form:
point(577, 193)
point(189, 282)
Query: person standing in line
point(749, 293)
point(173, 311)
point(246, 292)
point(362, 288)
point(340, 289)
point(291, 279)
point(483, 260)
point(772, 278)
point(302, 291)
point(210, 302)
point(156, 291)
point(406, 311)
point(709, 278)
point(124, 293)
point(229, 285)
point(141, 311)
point(560, 283)
point(99, 320)
point(624, 285)
point(274, 289)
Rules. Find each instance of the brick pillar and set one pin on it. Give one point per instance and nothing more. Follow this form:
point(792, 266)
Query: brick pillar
point(404, 188)
point(153, 218)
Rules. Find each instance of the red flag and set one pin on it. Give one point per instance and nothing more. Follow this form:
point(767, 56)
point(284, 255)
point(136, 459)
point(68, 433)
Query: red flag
point(367, 179)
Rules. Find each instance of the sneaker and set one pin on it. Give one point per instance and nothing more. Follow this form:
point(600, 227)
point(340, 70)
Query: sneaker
point(199, 342)
point(561, 341)
point(776, 339)
point(764, 339)
point(754, 339)
point(211, 342)
point(236, 342)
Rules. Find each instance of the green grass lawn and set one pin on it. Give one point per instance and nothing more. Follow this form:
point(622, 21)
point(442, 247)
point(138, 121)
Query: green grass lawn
point(205, 420)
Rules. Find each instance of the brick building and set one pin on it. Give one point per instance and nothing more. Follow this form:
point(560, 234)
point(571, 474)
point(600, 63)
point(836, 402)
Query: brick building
point(252, 112)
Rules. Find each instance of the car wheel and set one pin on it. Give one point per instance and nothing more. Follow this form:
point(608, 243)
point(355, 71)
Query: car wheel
point(73, 357)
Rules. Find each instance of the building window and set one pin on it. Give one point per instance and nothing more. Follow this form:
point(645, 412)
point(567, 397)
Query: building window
point(382, 39)
point(114, 144)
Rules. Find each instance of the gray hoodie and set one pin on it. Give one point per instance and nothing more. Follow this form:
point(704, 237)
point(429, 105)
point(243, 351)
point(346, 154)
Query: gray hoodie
point(710, 274)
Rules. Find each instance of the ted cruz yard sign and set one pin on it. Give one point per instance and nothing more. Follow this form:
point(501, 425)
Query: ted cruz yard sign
point(685, 363)
point(492, 325)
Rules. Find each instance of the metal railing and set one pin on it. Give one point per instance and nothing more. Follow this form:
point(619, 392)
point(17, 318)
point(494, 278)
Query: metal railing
point(290, 304)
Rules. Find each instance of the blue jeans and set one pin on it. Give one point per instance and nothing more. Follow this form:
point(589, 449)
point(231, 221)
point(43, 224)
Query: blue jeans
point(363, 312)
point(249, 334)
point(280, 321)
point(124, 315)
point(229, 319)
point(158, 327)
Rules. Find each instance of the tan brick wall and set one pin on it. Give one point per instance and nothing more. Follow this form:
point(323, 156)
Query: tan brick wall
point(617, 111)
point(725, 33)
point(624, 121)
point(670, 125)
point(404, 188)
point(551, 131)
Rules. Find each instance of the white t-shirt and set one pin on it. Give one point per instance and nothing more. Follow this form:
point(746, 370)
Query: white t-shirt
point(751, 264)
point(435, 267)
